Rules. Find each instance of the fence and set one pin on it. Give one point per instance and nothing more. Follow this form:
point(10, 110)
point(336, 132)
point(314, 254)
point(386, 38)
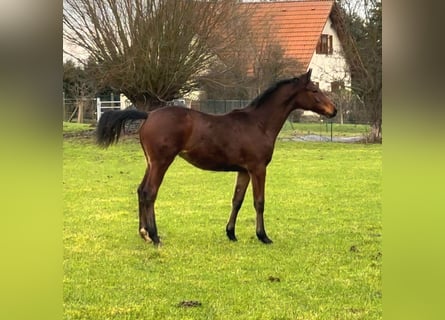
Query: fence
point(297, 127)
point(102, 106)
point(88, 110)
point(79, 110)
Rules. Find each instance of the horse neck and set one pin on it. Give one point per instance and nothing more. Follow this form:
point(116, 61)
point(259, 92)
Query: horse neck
point(271, 117)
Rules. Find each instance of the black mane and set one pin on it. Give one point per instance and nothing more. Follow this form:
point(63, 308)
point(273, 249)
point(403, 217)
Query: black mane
point(256, 102)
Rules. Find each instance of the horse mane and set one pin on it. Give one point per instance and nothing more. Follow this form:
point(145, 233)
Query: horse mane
point(256, 102)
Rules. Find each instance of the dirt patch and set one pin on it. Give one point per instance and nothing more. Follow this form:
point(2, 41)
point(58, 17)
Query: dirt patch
point(79, 134)
point(189, 304)
point(274, 279)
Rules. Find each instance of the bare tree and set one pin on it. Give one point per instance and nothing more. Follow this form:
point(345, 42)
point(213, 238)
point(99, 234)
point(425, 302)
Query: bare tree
point(77, 85)
point(272, 64)
point(362, 39)
point(151, 50)
point(253, 64)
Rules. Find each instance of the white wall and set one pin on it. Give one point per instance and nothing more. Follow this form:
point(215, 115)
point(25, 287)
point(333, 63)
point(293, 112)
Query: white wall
point(327, 68)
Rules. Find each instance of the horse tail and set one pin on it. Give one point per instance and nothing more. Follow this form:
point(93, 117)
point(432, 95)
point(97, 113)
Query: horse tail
point(111, 124)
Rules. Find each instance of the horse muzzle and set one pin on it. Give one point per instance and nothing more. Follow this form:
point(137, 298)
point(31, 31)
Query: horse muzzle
point(333, 114)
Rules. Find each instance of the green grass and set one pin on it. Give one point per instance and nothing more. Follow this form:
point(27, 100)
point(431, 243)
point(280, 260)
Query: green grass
point(69, 127)
point(323, 211)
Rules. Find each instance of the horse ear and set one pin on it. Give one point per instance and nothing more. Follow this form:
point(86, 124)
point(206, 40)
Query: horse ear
point(308, 75)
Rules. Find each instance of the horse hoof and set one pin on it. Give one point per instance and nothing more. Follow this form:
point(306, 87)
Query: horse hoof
point(231, 235)
point(264, 239)
point(144, 235)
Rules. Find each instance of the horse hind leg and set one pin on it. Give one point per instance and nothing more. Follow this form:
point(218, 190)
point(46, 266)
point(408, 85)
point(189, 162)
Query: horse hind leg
point(148, 194)
point(242, 181)
point(143, 207)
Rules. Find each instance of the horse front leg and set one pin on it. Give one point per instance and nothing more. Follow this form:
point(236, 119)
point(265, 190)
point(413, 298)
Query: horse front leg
point(258, 177)
point(242, 181)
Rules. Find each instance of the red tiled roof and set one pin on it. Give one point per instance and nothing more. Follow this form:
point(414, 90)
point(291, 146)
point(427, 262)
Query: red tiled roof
point(296, 25)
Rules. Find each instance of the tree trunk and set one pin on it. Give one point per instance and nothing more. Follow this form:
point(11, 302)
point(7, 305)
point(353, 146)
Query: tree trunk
point(80, 111)
point(341, 113)
point(376, 132)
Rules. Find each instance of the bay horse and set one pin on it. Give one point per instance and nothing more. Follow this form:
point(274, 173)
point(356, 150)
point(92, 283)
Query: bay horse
point(242, 141)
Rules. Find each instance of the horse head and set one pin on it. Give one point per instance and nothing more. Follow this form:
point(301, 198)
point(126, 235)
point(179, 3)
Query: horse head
point(310, 97)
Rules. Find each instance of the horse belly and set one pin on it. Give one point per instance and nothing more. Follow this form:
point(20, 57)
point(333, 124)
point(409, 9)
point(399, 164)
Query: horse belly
point(209, 161)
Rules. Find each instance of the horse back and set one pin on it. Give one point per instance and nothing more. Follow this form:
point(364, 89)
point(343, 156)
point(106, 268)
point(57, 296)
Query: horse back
point(226, 142)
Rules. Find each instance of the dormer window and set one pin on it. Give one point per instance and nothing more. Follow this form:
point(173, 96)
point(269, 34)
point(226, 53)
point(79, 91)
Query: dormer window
point(324, 45)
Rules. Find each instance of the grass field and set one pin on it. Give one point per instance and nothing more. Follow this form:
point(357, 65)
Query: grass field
point(323, 211)
point(69, 127)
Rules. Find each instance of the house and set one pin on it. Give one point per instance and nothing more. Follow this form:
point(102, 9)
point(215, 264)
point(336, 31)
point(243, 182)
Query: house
point(308, 32)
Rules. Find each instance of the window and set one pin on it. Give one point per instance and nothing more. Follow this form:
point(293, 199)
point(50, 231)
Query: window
point(324, 45)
